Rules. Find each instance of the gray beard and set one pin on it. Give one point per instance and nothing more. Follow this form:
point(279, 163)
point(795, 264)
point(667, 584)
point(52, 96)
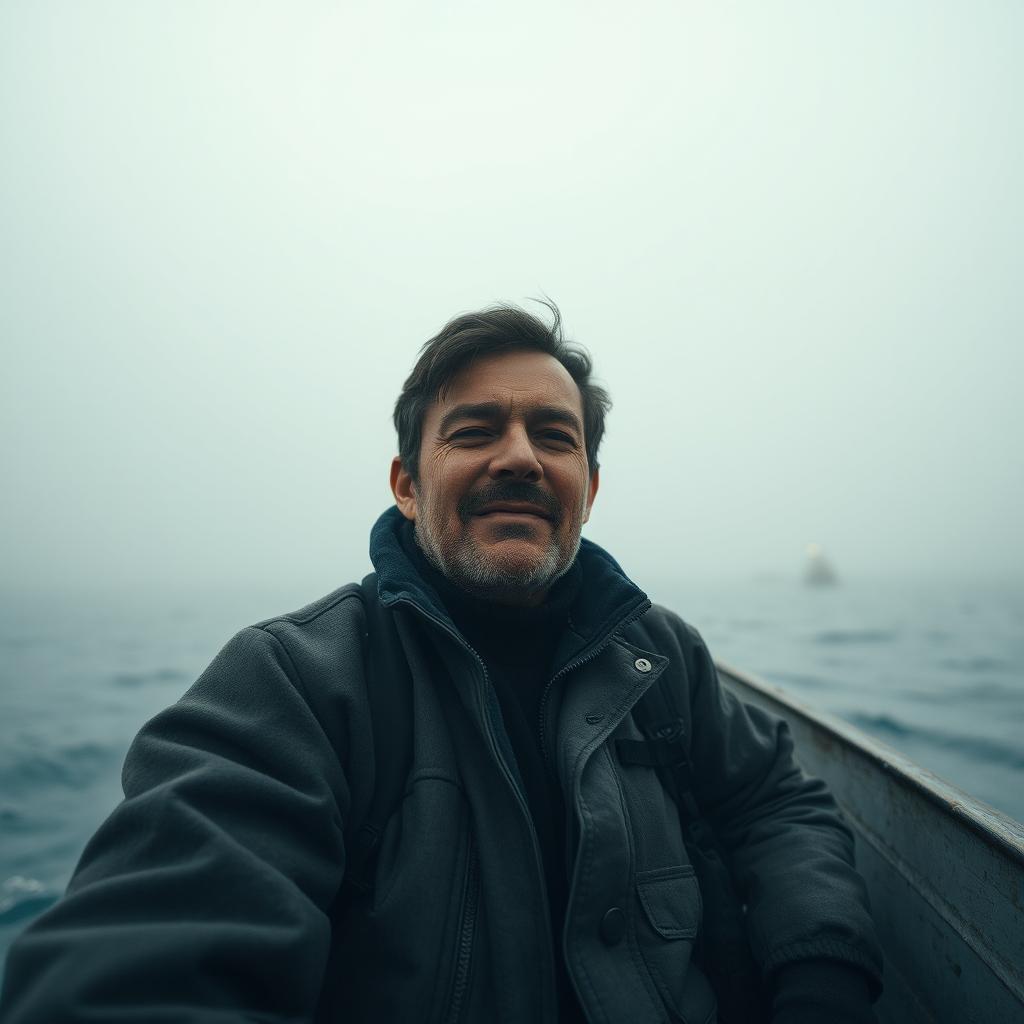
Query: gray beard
point(470, 571)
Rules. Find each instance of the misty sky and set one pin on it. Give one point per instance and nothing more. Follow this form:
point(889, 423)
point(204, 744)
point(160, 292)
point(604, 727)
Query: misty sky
point(789, 234)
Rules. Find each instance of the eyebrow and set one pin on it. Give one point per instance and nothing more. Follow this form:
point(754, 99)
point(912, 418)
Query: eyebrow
point(493, 411)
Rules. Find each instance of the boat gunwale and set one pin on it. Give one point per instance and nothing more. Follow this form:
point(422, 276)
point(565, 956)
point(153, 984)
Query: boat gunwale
point(992, 826)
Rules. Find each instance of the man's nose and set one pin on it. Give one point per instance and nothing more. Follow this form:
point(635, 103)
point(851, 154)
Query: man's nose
point(516, 457)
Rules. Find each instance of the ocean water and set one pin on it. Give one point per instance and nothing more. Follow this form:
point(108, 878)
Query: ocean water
point(935, 670)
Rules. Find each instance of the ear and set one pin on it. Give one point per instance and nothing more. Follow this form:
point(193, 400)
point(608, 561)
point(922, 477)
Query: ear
point(403, 489)
point(595, 480)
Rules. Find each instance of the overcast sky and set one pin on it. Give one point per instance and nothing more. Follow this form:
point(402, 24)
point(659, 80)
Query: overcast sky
point(789, 233)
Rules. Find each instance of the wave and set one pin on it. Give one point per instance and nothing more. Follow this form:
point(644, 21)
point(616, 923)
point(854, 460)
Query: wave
point(971, 695)
point(13, 821)
point(976, 748)
point(74, 766)
point(981, 663)
point(133, 680)
point(855, 636)
point(797, 679)
point(22, 898)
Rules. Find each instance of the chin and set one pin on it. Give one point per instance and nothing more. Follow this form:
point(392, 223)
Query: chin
point(523, 554)
point(522, 569)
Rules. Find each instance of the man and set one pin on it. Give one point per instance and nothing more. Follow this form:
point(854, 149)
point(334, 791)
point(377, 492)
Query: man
point(528, 872)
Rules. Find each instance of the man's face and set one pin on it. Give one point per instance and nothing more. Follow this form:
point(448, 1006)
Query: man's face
point(504, 486)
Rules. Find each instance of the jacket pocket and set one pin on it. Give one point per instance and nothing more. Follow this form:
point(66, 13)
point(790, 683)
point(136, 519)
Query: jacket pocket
point(671, 901)
point(667, 925)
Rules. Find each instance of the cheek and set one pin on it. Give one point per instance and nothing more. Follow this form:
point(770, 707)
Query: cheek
point(441, 489)
point(576, 487)
point(447, 466)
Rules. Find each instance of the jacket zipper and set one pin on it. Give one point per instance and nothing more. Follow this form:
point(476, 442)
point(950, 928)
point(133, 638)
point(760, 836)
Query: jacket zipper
point(496, 753)
point(588, 655)
point(470, 899)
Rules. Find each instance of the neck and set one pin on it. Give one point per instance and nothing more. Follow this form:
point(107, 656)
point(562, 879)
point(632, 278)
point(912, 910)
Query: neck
point(509, 597)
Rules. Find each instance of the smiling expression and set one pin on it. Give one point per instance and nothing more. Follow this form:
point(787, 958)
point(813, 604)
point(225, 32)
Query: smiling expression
point(504, 486)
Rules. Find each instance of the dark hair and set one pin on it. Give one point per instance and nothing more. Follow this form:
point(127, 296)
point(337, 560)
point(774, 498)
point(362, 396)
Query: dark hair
point(470, 336)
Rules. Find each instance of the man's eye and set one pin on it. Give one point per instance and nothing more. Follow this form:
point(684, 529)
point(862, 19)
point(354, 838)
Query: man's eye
point(470, 434)
point(560, 436)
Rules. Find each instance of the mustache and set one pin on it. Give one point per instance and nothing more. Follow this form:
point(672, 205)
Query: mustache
point(511, 490)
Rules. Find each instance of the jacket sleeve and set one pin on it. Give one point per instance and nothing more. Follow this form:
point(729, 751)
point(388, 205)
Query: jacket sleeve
point(203, 897)
point(791, 851)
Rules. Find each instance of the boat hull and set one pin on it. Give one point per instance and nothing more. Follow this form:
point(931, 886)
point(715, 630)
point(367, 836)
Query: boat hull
point(944, 871)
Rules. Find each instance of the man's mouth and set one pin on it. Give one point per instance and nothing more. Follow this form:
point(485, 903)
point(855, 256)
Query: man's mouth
point(512, 508)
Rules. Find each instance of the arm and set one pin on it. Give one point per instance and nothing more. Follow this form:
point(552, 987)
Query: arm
point(791, 852)
point(204, 895)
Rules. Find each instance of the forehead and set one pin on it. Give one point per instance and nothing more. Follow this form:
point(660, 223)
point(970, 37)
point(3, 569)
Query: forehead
point(517, 379)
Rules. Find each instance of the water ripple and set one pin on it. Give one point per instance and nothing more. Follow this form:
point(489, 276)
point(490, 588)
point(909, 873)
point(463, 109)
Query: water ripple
point(133, 680)
point(855, 636)
point(808, 682)
point(976, 748)
point(74, 766)
point(981, 663)
point(970, 694)
point(22, 898)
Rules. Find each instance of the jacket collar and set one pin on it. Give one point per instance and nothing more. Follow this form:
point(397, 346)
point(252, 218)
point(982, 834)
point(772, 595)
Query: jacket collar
point(606, 599)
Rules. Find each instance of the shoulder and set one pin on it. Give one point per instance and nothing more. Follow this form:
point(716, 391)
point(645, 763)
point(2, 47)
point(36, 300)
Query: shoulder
point(337, 604)
point(663, 628)
point(340, 614)
point(319, 647)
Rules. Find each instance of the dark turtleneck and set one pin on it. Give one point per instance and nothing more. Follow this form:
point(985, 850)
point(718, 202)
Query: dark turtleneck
point(517, 645)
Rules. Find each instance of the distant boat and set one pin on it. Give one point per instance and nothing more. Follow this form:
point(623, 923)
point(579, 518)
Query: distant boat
point(818, 571)
point(945, 872)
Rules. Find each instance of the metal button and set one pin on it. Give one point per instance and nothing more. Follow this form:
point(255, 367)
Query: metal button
point(613, 926)
point(642, 665)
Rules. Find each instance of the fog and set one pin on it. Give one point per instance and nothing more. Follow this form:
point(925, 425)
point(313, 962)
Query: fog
point(788, 233)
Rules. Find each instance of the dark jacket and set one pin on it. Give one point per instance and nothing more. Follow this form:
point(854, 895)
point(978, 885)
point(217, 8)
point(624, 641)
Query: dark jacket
point(212, 891)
